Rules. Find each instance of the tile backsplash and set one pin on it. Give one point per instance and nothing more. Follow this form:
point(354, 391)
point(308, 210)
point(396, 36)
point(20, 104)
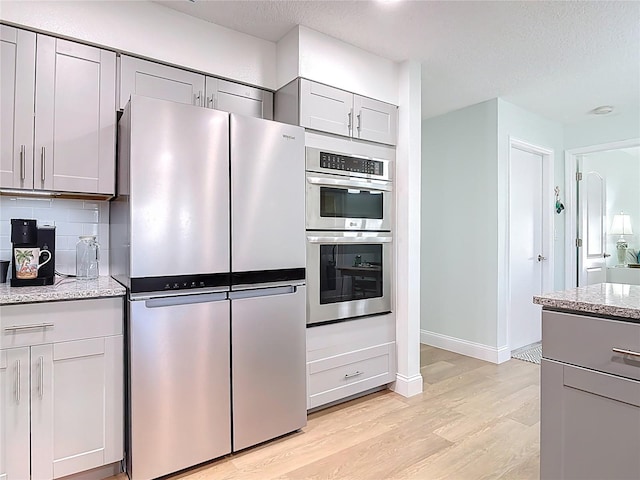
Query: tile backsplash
point(71, 218)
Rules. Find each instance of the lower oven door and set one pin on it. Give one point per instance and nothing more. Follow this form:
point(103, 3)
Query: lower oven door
point(336, 202)
point(348, 275)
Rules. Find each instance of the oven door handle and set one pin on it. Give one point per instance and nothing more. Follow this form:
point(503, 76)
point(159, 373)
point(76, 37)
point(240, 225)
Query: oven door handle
point(329, 239)
point(351, 183)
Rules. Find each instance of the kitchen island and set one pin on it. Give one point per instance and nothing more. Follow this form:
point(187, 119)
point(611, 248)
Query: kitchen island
point(590, 382)
point(62, 379)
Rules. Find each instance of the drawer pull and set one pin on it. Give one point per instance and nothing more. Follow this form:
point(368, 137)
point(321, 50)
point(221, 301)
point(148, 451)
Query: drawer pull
point(626, 352)
point(17, 328)
point(355, 374)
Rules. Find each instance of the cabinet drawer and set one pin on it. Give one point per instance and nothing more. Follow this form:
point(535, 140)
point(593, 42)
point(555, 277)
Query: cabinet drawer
point(340, 376)
point(51, 322)
point(589, 342)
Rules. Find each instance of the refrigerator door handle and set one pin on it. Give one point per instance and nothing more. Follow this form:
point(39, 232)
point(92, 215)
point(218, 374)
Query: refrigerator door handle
point(184, 300)
point(263, 292)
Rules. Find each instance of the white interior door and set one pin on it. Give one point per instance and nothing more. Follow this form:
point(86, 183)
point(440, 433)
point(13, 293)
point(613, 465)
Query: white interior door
point(592, 255)
point(527, 257)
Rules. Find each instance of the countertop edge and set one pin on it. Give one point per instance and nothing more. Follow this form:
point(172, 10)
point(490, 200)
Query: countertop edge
point(63, 290)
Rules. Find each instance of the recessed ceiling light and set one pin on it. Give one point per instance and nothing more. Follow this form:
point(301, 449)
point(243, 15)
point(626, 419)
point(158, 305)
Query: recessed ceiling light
point(603, 110)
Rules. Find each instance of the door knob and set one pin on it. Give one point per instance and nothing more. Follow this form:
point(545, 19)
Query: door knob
point(606, 255)
point(540, 258)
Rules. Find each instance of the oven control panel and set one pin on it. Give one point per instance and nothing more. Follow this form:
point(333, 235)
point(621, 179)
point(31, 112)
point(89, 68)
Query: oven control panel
point(335, 161)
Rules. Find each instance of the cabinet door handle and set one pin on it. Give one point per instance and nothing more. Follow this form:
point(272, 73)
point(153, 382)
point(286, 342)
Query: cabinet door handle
point(17, 328)
point(349, 123)
point(358, 124)
point(355, 374)
point(17, 379)
point(622, 351)
point(22, 159)
point(43, 155)
point(541, 258)
point(198, 102)
point(41, 375)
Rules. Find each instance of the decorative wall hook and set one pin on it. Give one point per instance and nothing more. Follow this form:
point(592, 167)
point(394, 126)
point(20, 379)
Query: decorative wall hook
point(559, 205)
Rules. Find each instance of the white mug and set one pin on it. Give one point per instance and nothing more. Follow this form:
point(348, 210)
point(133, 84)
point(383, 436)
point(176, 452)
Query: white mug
point(28, 261)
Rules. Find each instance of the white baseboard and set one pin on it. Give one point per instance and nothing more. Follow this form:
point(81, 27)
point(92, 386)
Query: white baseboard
point(465, 347)
point(407, 386)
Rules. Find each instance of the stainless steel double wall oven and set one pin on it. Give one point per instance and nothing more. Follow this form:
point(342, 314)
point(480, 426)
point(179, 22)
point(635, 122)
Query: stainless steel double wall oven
point(349, 203)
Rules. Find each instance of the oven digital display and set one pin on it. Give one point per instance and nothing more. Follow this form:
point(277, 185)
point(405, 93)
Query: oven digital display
point(345, 163)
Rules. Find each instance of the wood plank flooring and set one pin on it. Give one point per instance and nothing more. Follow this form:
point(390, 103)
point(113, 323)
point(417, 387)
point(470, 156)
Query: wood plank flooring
point(474, 420)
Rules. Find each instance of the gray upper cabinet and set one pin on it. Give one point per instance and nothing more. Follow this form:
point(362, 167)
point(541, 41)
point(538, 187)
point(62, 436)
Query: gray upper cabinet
point(17, 84)
point(75, 127)
point(142, 77)
point(375, 120)
point(325, 108)
point(237, 98)
point(70, 88)
point(328, 109)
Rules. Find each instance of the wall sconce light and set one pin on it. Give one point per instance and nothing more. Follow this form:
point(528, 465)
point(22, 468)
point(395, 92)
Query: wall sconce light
point(621, 225)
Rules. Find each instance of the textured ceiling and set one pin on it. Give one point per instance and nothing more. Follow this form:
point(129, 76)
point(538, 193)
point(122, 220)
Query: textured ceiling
point(559, 59)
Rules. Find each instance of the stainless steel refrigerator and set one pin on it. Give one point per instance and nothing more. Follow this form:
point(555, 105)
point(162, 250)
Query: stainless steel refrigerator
point(207, 234)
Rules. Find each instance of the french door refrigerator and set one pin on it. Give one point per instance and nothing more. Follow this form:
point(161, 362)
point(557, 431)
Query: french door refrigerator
point(216, 312)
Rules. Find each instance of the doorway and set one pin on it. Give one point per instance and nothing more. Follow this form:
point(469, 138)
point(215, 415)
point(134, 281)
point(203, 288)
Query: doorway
point(530, 239)
point(607, 185)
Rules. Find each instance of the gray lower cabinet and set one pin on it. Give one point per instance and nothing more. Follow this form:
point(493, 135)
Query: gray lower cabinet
point(151, 79)
point(71, 89)
point(349, 358)
point(61, 388)
point(590, 398)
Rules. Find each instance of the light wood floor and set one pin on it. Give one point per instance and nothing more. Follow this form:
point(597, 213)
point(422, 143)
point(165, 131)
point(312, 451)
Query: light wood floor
point(474, 420)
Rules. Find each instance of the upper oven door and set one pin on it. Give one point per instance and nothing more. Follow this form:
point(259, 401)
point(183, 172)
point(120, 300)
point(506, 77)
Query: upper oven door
point(336, 202)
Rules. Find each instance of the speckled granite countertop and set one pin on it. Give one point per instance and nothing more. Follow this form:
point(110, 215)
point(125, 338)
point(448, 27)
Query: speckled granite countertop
point(606, 299)
point(63, 289)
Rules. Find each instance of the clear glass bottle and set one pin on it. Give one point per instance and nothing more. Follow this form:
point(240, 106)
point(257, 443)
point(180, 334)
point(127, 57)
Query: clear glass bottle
point(87, 258)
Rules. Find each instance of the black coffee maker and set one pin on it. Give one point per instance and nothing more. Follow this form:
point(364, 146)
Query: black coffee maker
point(25, 237)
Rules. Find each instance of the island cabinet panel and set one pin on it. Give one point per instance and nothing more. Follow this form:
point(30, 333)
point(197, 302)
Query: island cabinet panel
point(590, 397)
point(62, 371)
point(590, 424)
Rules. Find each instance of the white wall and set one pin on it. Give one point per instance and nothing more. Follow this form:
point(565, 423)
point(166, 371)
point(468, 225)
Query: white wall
point(515, 122)
point(150, 30)
point(460, 228)
point(72, 218)
point(327, 60)
point(464, 229)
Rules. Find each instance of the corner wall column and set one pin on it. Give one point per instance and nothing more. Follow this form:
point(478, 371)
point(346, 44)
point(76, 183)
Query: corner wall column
point(407, 234)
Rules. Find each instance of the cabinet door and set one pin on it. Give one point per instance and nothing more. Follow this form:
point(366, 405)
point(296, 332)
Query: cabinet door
point(77, 406)
point(236, 98)
point(75, 117)
point(14, 414)
point(142, 77)
point(589, 424)
point(325, 108)
point(374, 120)
point(17, 70)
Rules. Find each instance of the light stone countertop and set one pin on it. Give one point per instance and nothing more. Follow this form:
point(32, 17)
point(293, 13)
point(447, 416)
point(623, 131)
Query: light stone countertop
point(606, 299)
point(64, 288)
